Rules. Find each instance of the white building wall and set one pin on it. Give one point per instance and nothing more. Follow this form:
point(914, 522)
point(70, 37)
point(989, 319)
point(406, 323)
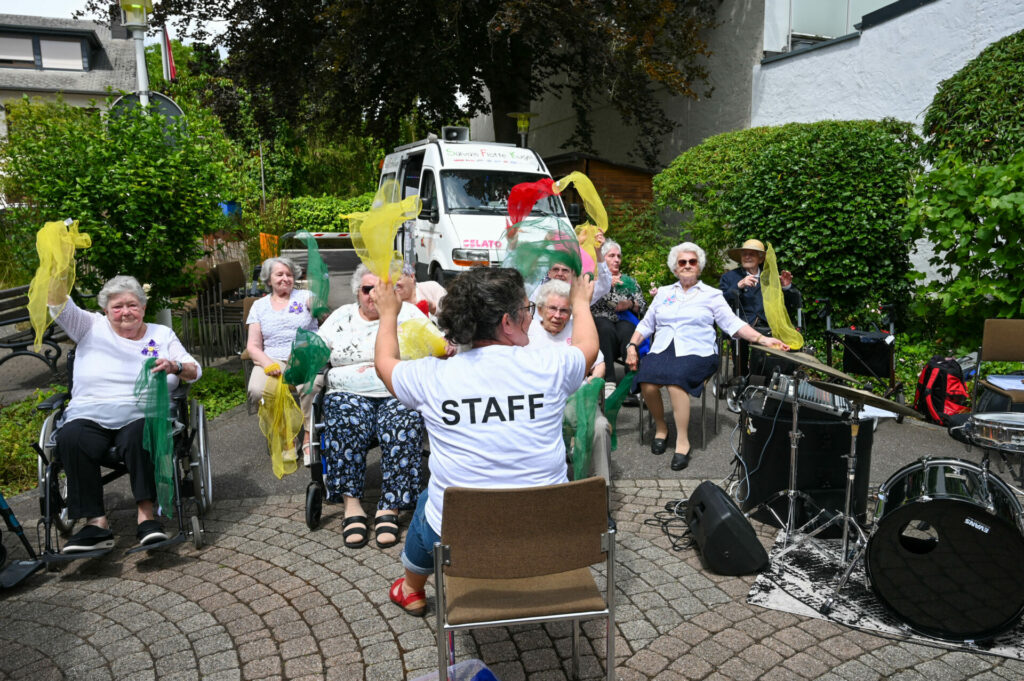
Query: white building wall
point(892, 69)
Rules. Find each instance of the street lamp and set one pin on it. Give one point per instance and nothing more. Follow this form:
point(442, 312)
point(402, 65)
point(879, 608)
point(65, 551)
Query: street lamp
point(522, 124)
point(134, 17)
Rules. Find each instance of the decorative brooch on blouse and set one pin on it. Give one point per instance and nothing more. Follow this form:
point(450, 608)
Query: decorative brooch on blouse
point(295, 307)
point(151, 349)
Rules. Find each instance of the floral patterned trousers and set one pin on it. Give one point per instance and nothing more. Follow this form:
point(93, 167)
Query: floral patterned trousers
point(354, 424)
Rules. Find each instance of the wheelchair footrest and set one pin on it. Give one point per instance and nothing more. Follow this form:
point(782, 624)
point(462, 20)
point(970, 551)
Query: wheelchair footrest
point(50, 558)
point(176, 539)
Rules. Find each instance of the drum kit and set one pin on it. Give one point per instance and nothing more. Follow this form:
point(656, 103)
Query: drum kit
point(947, 539)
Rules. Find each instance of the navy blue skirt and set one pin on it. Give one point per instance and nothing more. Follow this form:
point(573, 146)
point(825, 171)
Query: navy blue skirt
point(663, 368)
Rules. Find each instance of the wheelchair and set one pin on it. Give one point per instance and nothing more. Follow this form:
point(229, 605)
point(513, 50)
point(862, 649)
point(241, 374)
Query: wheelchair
point(193, 480)
point(316, 490)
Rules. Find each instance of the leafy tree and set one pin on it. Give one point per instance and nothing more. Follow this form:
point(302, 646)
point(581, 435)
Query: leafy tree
point(976, 114)
point(144, 188)
point(350, 64)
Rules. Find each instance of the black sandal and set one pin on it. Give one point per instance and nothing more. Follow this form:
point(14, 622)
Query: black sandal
point(361, 533)
point(385, 524)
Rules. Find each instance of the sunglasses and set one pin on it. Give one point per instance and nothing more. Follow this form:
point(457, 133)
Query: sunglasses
point(532, 307)
point(692, 262)
point(366, 290)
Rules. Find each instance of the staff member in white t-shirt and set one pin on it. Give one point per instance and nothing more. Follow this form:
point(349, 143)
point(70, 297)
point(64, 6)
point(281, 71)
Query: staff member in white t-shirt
point(494, 412)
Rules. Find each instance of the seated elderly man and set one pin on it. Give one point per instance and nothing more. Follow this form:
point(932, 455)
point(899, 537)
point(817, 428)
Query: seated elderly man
point(555, 328)
point(426, 295)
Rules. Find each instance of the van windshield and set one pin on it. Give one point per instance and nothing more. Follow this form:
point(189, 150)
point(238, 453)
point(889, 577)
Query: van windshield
point(486, 191)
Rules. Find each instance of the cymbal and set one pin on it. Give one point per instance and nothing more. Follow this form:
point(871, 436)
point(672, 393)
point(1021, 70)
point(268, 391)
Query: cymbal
point(864, 397)
point(805, 360)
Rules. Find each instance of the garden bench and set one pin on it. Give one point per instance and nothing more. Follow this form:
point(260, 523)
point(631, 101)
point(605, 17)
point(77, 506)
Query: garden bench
point(14, 312)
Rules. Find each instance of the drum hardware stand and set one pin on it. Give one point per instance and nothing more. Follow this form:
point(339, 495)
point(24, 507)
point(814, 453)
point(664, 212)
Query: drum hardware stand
point(846, 560)
point(791, 493)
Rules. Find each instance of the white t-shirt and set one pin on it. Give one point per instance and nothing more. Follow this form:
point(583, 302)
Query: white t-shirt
point(278, 326)
point(539, 338)
point(494, 415)
point(351, 340)
point(107, 366)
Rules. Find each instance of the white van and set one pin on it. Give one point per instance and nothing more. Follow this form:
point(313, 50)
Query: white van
point(464, 188)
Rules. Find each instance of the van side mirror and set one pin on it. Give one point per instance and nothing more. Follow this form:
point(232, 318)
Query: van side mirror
point(575, 215)
point(429, 210)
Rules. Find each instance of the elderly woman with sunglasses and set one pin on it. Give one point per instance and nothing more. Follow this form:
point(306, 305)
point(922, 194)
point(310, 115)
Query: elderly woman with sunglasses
point(358, 411)
point(684, 350)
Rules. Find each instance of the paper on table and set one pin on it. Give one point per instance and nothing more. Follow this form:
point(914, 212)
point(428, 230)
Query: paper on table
point(1007, 382)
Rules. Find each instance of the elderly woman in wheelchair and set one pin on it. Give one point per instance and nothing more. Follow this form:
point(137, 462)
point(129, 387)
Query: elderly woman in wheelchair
point(103, 423)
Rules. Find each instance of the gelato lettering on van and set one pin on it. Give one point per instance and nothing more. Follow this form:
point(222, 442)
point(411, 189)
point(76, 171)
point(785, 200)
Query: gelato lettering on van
point(480, 243)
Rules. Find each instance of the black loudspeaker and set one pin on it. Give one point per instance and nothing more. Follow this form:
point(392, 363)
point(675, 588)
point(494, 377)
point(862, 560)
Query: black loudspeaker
point(821, 466)
point(724, 537)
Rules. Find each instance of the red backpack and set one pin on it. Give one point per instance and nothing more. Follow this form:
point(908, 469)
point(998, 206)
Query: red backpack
point(941, 391)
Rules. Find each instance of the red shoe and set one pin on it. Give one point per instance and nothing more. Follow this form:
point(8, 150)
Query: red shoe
point(415, 603)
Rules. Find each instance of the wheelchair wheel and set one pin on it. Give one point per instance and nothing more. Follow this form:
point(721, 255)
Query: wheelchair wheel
point(57, 487)
point(197, 532)
point(199, 458)
point(314, 505)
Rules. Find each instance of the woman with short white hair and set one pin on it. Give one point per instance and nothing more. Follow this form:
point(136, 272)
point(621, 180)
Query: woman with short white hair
point(684, 350)
point(273, 321)
point(104, 412)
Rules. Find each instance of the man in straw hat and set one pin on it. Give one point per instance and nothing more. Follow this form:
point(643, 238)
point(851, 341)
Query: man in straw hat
point(742, 290)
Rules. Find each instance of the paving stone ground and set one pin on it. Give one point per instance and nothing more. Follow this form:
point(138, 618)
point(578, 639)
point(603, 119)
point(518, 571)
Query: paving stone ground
point(268, 599)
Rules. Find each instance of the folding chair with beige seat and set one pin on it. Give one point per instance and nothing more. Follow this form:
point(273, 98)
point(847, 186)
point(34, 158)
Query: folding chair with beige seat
point(521, 556)
point(1002, 341)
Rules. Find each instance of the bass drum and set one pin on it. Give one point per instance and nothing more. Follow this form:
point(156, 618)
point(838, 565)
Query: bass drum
point(947, 550)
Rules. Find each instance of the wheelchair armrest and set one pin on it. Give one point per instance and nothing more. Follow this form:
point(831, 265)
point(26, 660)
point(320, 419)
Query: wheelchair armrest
point(54, 402)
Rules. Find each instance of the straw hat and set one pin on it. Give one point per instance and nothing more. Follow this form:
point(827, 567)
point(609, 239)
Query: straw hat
point(748, 245)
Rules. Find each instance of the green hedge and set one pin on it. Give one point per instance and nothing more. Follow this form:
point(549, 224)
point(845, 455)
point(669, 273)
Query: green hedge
point(829, 196)
point(323, 213)
point(698, 185)
point(976, 114)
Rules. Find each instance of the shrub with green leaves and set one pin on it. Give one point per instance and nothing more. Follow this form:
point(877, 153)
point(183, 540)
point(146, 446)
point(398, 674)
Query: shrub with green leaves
point(19, 428)
point(323, 213)
point(144, 188)
point(698, 185)
point(976, 114)
point(830, 197)
point(974, 217)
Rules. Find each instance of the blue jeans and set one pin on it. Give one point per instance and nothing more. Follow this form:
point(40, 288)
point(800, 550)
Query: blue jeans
point(418, 554)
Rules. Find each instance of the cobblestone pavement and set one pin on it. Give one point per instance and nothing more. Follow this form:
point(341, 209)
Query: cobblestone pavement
point(266, 598)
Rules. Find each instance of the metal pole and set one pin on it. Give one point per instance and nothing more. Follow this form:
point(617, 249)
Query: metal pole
point(263, 184)
point(140, 65)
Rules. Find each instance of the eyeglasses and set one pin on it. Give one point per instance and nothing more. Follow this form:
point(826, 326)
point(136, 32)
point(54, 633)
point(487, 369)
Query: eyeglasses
point(692, 262)
point(532, 307)
point(560, 311)
point(366, 290)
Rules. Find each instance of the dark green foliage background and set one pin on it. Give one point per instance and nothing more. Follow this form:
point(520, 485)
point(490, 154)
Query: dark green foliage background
point(830, 197)
point(978, 113)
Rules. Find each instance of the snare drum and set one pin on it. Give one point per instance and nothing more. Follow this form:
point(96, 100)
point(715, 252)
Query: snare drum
point(947, 550)
point(1003, 431)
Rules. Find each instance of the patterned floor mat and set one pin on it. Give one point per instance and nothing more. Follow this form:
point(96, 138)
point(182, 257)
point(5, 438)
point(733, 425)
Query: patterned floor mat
point(803, 580)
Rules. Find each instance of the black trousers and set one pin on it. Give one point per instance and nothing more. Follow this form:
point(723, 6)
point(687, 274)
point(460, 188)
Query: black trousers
point(83, 446)
point(612, 338)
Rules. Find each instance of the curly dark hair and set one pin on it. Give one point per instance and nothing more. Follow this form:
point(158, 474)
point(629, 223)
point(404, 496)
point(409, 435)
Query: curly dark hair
point(476, 302)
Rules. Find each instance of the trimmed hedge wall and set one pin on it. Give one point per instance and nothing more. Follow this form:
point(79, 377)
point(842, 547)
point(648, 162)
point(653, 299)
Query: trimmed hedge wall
point(829, 196)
